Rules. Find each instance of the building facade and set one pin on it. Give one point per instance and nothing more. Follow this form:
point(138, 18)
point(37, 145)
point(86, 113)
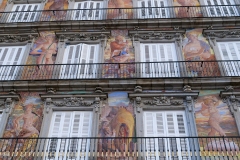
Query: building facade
point(120, 79)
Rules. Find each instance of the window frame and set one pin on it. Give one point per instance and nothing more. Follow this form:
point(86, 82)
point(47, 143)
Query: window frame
point(89, 12)
point(81, 70)
point(23, 14)
point(174, 65)
point(226, 66)
point(20, 61)
point(158, 13)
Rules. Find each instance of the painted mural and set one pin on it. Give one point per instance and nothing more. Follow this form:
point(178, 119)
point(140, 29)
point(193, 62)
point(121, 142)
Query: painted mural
point(44, 51)
point(119, 50)
point(188, 11)
point(24, 122)
point(116, 120)
point(55, 5)
point(3, 5)
point(197, 48)
point(120, 13)
point(213, 118)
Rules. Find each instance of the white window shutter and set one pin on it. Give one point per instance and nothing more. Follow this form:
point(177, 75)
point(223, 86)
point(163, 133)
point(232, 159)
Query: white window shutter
point(98, 11)
point(83, 60)
point(156, 53)
point(230, 51)
point(10, 56)
point(3, 54)
point(149, 125)
point(71, 56)
point(60, 127)
point(69, 124)
point(146, 58)
point(27, 16)
point(89, 55)
point(219, 9)
point(148, 11)
point(165, 124)
point(89, 10)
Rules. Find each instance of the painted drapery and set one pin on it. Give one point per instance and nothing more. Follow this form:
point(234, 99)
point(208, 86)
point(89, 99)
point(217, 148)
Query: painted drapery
point(197, 48)
point(192, 8)
point(24, 122)
point(119, 50)
point(116, 120)
point(43, 52)
point(120, 13)
point(213, 119)
point(55, 5)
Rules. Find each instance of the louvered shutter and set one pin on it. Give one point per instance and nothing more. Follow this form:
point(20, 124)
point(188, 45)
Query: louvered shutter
point(88, 10)
point(89, 55)
point(60, 127)
point(71, 56)
point(216, 8)
point(230, 51)
point(69, 124)
point(166, 124)
point(152, 9)
point(24, 13)
point(155, 54)
point(10, 56)
point(81, 127)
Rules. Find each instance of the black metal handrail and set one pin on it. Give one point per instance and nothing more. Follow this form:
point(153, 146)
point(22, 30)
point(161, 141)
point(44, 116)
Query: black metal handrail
point(166, 69)
point(120, 147)
point(121, 13)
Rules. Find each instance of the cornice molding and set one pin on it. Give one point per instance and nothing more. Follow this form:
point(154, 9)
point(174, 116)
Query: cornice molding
point(75, 102)
point(13, 38)
point(156, 35)
point(82, 36)
point(163, 101)
point(61, 96)
point(232, 33)
point(164, 94)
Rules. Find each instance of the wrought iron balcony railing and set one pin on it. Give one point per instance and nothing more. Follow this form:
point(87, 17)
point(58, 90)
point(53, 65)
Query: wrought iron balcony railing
point(167, 69)
point(120, 13)
point(149, 148)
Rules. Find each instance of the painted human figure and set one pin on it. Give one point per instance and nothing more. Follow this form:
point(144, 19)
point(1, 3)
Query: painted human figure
point(119, 54)
point(57, 5)
point(119, 13)
point(209, 109)
point(29, 119)
point(119, 49)
point(187, 11)
point(46, 51)
point(196, 49)
point(123, 132)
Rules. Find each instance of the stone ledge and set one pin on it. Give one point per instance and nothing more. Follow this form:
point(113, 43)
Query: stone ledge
point(126, 85)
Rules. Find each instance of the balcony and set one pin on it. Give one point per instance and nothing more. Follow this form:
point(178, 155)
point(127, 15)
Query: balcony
point(134, 70)
point(121, 13)
point(101, 16)
point(157, 148)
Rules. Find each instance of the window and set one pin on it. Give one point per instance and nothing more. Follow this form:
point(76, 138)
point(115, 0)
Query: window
point(157, 58)
point(24, 13)
point(166, 124)
point(88, 10)
point(69, 124)
point(11, 55)
point(230, 51)
point(81, 56)
point(151, 9)
point(216, 8)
